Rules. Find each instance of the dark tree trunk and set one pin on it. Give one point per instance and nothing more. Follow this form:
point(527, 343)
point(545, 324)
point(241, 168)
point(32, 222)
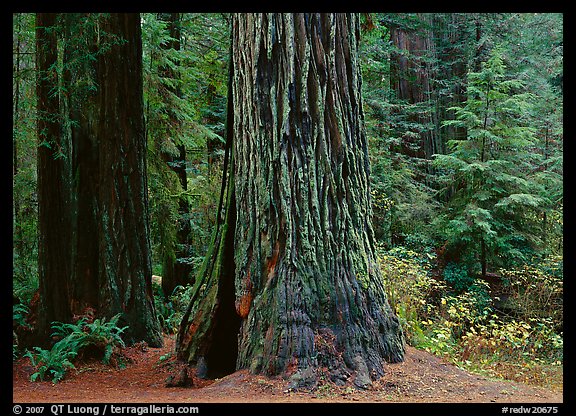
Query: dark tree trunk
point(16, 99)
point(176, 269)
point(292, 283)
point(94, 248)
point(15, 120)
point(54, 258)
point(80, 77)
point(124, 265)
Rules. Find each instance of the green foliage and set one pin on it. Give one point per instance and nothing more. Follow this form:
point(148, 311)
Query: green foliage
point(410, 288)
point(402, 201)
point(25, 204)
point(170, 313)
point(457, 276)
point(537, 291)
point(19, 313)
point(185, 98)
point(51, 363)
point(100, 335)
point(464, 324)
point(491, 201)
point(97, 337)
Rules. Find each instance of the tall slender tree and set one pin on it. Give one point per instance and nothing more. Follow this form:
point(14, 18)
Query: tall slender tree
point(292, 283)
point(125, 268)
point(493, 211)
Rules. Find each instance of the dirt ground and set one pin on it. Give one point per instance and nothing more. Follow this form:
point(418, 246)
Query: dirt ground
point(422, 377)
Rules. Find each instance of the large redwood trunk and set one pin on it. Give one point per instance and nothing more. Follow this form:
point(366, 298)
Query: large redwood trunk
point(292, 281)
point(54, 259)
point(82, 108)
point(94, 249)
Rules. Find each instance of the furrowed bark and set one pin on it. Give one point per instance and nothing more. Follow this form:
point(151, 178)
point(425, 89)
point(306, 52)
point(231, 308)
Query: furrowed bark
point(80, 80)
point(307, 286)
point(94, 249)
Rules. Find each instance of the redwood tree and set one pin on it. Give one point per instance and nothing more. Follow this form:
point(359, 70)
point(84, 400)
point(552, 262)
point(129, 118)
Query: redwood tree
point(292, 285)
point(95, 219)
point(54, 232)
point(411, 77)
point(125, 267)
point(80, 80)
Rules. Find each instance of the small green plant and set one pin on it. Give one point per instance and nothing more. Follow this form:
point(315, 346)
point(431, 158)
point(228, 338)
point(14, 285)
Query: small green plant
point(457, 276)
point(54, 362)
point(170, 313)
point(19, 313)
point(99, 337)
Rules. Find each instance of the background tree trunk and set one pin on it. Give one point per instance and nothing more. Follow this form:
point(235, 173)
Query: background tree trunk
point(411, 76)
point(83, 112)
point(294, 258)
point(94, 248)
point(54, 259)
point(451, 43)
point(124, 269)
point(176, 269)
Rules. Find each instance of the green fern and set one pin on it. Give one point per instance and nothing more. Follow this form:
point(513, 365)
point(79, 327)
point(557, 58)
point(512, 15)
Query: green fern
point(76, 338)
point(19, 313)
point(54, 362)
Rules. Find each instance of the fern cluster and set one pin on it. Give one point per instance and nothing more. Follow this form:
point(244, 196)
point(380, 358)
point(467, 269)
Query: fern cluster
point(76, 339)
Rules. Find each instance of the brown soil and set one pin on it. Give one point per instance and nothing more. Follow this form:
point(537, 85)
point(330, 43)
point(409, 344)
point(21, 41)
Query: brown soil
point(422, 377)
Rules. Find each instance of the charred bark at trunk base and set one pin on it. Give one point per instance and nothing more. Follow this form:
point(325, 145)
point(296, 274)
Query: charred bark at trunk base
point(296, 241)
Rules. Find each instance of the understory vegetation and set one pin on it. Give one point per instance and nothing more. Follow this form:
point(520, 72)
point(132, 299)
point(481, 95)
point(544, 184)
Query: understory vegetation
point(510, 329)
point(85, 339)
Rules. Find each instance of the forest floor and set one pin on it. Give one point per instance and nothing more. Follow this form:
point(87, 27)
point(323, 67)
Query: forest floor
point(422, 377)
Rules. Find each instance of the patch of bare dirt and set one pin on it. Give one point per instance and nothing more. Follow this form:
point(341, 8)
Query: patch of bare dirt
point(422, 377)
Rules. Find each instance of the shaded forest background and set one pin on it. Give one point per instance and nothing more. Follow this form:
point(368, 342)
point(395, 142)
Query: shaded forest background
point(464, 118)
